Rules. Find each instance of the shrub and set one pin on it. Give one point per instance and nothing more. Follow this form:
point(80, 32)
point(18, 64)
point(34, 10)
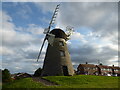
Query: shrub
point(38, 72)
point(6, 77)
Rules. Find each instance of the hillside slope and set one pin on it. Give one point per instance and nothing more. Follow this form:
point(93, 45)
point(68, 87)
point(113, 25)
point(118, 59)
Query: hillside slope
point(85, 81)
point(78, 81)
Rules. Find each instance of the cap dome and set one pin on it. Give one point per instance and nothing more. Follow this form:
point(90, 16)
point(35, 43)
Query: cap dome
point(59, 33)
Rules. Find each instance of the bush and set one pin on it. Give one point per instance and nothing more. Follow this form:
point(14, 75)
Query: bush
point(38, 72)
point(6, 77)
point(0, 76)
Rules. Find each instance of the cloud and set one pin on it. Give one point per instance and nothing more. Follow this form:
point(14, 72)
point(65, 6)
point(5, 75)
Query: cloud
point(20, 45)
point(24, 11)
point(91, 54)
point(46, 7)
point(78, 37)
point(35, 29)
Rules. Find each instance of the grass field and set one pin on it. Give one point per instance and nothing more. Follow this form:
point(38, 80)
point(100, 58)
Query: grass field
point(0, 85)
point(78, 81)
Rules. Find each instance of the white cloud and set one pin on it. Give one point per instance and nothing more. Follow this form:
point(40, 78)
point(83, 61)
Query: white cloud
point(79, 37)
point(18, 68)
point(6, 51)
point(19, 45)
point(24, 11)
point(113, 61)
point(35, 29)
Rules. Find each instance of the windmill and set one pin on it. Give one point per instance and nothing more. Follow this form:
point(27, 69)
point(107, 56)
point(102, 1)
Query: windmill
point(57, 60)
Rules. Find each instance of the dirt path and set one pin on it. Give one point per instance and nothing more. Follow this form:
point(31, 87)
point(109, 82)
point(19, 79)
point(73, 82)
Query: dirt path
point(44, 81)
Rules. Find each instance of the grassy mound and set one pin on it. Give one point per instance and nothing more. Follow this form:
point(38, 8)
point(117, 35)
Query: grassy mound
point(85, 81)
point(23, 83)
point(78, 81)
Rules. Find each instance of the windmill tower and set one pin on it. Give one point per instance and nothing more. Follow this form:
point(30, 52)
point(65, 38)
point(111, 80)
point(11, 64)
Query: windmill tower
point(57, 60)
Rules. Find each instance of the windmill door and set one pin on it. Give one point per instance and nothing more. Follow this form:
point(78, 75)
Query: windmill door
point(65, 70)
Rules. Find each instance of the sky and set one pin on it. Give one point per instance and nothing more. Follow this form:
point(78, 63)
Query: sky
point(95, 37)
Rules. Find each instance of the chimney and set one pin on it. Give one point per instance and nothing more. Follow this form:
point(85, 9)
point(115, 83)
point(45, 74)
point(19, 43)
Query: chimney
point(86, 62)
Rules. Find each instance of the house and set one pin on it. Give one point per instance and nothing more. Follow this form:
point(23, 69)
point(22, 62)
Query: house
point(23, 75)
point(91, 69)
point(87, 69)
point(105, 70)
point(116, 70)
point(20, 75)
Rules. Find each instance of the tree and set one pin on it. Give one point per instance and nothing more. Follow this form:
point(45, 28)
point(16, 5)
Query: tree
point(0, 76)
point(100, 64)
point(38, 72)
point(6, 77)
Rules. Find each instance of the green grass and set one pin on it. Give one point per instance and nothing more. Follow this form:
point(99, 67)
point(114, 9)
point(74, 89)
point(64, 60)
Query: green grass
point(78, 81)
point(0, 85)
point(23, 83)
point(85, 81)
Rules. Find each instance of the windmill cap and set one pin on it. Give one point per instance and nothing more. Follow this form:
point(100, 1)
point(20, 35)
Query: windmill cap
point(59, 33)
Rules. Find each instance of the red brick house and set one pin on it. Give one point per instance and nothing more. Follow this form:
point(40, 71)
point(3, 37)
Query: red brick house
point(87, 69)
point(91, 69)
point(20, 75)
point(116, 71)
point(105, 70)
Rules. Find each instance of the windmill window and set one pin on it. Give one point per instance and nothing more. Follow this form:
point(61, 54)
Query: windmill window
point(62, 53)
point(61, 43)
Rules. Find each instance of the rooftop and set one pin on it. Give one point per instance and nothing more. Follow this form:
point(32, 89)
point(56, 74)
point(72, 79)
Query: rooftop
point(59, 33)
point(100, 66)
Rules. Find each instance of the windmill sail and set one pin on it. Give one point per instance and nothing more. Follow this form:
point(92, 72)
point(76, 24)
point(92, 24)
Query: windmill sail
point(54, 16)
point(51, 39)
point(69, 31)
point(41, 49)
point(46, 31)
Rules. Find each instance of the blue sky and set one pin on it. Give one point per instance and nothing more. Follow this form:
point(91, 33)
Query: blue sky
point(31, 15)
point(95, 37)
